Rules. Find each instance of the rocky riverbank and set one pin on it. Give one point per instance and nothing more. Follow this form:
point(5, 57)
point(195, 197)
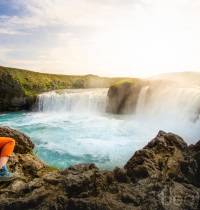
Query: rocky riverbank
point(163, 175)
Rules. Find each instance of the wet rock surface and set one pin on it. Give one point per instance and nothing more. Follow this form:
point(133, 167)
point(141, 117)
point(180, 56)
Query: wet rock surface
point(164, 175)
point(123, 96)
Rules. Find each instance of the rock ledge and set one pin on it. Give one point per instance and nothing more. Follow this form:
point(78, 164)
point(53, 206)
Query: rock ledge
point(163, 175)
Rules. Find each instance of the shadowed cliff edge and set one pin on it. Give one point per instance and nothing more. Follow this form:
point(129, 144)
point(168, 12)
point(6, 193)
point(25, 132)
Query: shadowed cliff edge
point(163, 175)
point(123, 96)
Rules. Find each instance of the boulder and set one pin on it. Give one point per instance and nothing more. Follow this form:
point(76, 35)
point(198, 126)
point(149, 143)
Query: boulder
point(23, 142)
point(166, 157)
point(161, 158)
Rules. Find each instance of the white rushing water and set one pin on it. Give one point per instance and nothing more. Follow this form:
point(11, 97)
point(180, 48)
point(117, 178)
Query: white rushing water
point(177, 103)
point(71, 126)
point(85, 100)
point(171, 108)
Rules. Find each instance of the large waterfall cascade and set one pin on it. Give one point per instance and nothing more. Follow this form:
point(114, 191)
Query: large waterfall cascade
point(87, 100)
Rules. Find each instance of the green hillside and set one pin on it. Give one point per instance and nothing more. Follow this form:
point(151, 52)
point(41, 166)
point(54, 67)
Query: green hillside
point(19, 88)
point(35, 82)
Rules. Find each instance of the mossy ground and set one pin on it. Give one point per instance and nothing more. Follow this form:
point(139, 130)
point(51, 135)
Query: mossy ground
point(131, 81)
point(33, 83)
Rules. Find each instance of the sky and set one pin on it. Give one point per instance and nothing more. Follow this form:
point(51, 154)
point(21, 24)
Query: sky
point(103, 37)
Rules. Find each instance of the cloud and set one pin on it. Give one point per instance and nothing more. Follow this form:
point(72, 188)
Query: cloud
point(101, 36)
point(9, 31)
point(82, 13)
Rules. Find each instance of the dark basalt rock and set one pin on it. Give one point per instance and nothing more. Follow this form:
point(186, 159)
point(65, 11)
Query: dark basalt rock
point(123, 97)
point(163, 175)
point(161, 158)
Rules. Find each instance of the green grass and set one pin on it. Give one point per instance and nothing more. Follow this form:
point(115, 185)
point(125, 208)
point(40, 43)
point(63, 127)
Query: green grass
point(33, 83)
point(131, 81)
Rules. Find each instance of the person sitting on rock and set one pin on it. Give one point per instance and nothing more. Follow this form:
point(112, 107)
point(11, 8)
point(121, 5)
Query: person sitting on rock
point(6, 148)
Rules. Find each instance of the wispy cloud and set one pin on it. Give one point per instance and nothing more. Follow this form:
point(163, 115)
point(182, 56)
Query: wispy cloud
point(100, 36)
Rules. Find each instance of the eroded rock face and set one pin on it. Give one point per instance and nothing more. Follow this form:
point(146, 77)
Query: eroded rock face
point(122, 97)
point(166, 157)
point(12, 96)
point(161, 158)
point(163, 175)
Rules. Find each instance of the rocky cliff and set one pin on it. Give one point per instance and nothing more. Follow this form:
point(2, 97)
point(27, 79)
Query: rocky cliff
point(123, 96)
point(164, 175)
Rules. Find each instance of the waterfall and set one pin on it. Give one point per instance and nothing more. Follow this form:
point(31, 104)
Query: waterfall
point(177, 103)
point(154, 102)
point(81, 100)
point(141, 101)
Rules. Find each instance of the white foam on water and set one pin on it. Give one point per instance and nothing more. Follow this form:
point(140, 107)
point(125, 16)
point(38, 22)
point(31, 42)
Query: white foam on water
point(72, 127)
point(83, 100)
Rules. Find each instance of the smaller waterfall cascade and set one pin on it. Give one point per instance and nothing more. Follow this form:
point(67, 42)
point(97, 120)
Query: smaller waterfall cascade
point(174, 102)
point(85, 100)
point(141, 101)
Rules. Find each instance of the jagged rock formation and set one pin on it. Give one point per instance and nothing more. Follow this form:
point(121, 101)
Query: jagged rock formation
point(163, 175)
